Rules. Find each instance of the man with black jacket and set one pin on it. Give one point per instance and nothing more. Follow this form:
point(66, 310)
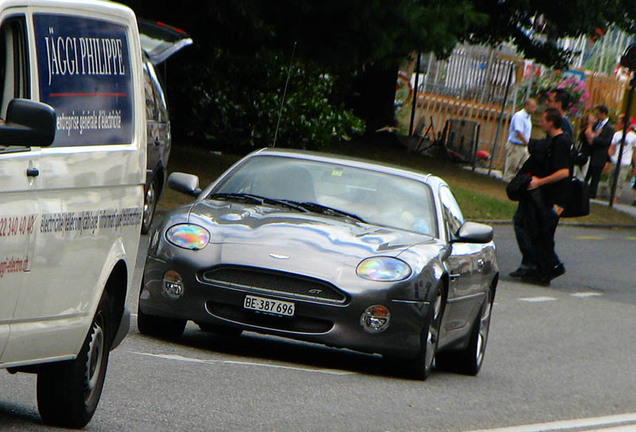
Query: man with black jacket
point(599, 138)
point(551, 173)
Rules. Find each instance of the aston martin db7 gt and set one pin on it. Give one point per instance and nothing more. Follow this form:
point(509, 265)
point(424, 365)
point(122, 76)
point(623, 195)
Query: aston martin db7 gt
point(327, 249)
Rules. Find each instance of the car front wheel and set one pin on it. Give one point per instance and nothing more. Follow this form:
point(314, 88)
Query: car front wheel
point(468, 361)
point(68, 392)
point(421, 366)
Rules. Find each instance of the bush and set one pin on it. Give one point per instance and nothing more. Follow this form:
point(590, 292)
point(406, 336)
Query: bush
point(233, 102)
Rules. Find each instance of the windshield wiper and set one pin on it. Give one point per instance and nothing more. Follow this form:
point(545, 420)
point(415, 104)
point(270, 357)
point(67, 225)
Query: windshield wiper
point(319, 208)
point(241, 197)
point(257, 199)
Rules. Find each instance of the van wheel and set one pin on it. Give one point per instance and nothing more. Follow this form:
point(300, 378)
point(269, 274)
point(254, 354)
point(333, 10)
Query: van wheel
point(150, 204)
point(68, 392)
point(161, 327)
point(468, 361)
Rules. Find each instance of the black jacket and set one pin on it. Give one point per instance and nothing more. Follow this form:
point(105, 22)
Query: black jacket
point(600, 146)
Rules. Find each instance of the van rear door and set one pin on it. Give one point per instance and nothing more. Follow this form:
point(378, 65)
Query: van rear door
point(160, 41)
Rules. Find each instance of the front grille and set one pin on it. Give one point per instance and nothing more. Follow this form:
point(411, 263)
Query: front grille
point(297, 324)
point(268, 281)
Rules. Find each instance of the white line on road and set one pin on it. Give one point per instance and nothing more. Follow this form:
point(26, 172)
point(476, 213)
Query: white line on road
point(586, 294)
point(241, 363)
point(626, 422)
point(538, 299)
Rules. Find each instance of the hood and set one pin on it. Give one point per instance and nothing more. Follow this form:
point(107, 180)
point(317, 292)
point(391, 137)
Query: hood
point(288, 240)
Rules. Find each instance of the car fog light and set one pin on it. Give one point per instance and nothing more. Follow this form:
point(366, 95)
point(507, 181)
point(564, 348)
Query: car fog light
point(375, 319)
point(173, 284)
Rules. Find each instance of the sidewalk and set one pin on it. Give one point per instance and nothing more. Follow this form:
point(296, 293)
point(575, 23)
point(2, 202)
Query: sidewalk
point(625, 208)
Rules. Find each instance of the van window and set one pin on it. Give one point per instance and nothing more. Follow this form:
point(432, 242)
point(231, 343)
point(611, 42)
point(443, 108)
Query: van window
point(14, 76)
point(84, 72)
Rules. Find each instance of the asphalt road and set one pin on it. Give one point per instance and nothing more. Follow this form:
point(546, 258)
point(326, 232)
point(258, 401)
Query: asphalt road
point(559, 353)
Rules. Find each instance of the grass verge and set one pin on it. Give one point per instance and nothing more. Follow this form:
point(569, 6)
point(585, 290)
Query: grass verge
point(480, 197)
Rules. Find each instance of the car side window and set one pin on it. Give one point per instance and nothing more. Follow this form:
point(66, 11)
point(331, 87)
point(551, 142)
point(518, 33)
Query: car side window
point(453, 218)
point(14, 76)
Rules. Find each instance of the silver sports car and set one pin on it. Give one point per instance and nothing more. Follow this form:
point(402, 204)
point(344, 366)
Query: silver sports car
point(326, 249)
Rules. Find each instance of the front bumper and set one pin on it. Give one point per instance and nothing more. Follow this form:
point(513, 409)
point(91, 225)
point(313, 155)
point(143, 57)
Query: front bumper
point(331, 323)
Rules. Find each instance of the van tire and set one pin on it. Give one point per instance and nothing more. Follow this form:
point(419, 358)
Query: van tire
point(68, 392)
point(160, 327)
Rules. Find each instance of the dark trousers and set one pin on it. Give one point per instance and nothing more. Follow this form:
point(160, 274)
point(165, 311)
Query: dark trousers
point(592, 178)
point(523, 241)
point(546, 257)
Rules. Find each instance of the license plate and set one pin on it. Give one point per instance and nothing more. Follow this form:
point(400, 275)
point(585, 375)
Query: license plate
point(275, 307)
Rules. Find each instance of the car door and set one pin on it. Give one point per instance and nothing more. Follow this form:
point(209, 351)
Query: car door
point(18, 165)
point(464, 264)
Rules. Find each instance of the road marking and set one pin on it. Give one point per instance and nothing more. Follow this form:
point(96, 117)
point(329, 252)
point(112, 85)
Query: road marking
point(538, 299)
point(587, 294)
point(241, 363)
point(631, 238)
point(616, 423)
point(589, 237)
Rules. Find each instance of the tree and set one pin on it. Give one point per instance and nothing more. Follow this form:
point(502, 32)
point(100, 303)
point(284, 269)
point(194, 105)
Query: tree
point(361, 42)
point(535, 26)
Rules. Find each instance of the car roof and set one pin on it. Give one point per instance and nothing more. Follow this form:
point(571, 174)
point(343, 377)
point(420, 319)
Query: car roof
point(428, 178)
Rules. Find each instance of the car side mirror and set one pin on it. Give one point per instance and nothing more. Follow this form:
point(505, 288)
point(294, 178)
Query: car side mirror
point(28, 124)
point(473, 232)
point(184, 183)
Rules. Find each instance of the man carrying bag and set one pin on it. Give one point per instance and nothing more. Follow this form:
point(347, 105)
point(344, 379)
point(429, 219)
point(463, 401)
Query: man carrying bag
point(552, 178)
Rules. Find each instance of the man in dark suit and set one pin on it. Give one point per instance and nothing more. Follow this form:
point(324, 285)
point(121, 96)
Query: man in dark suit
point(599, 138)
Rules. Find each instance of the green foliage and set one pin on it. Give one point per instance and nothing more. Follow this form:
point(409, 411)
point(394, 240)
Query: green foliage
point(535, 26)
point(236, 102)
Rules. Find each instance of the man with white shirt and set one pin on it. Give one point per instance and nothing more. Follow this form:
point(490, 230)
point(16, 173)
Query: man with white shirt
point(518, 137)
point(628, 157)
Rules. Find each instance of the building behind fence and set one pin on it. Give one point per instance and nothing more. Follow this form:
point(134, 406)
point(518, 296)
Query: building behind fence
point(481, 87)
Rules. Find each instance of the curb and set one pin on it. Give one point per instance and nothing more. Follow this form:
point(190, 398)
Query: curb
point(568, 224)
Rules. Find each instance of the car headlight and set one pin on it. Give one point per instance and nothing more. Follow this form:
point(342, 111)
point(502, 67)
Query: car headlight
point(188, 236)
point(383, 269)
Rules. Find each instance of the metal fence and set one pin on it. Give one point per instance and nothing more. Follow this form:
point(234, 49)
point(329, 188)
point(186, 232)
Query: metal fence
point(475, 84)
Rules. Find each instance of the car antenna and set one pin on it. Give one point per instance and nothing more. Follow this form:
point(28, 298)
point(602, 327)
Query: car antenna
point(282, 102)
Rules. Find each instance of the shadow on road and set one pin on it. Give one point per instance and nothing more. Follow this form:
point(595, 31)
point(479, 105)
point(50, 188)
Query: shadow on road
point(17, 417)
point(254, 347)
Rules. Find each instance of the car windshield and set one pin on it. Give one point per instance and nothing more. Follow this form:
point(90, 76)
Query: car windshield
point(333, 189)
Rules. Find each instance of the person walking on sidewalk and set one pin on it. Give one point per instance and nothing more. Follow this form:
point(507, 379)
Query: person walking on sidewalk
point(518, 135)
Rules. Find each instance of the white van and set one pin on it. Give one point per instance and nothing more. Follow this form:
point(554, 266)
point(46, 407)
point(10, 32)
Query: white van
point(72, 173)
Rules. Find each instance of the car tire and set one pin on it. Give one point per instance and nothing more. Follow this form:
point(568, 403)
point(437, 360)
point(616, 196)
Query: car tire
point(469, 360)
point(160, 327)
point(421, 366)
point(150, 204)
point(68, 392)
point(220, 329)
